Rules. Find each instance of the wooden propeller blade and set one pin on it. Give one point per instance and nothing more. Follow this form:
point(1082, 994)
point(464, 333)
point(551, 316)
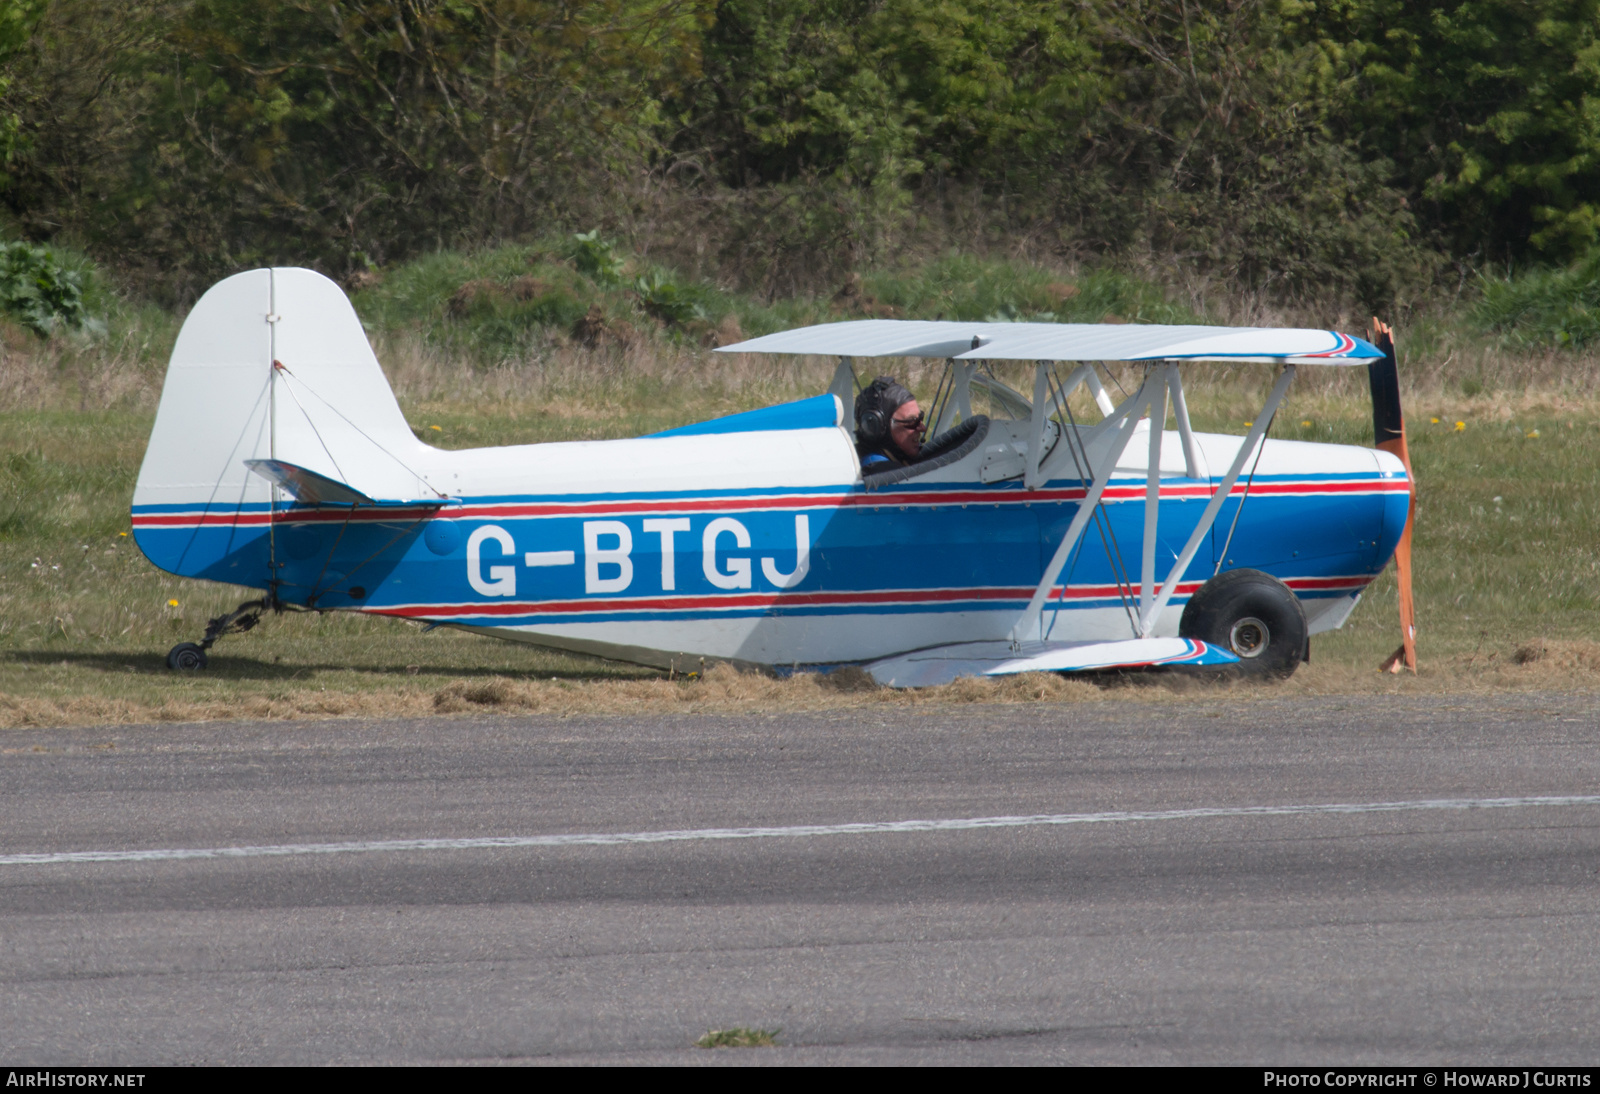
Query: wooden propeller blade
point(1389, 434)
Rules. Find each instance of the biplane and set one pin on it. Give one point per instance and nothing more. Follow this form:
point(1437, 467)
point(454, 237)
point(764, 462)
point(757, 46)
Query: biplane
point(1035, 533)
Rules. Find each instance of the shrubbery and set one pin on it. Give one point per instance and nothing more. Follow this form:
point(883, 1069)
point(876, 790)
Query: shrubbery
point(38, 291)
point(1553, 307)
point(1341, 153)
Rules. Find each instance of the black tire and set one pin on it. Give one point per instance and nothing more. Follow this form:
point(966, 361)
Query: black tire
point(186, 657)
point(1254, 615)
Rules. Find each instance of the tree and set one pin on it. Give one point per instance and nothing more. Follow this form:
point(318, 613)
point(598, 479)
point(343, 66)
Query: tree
point(1488, 109)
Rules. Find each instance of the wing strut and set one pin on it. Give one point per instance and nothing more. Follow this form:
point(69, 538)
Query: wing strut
point(1147, 621)
point(1125, 420)
point(844, 386)
point(1158, 384)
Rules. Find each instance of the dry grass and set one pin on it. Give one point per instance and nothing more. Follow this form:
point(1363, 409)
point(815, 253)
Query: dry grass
point(722, 689)
point(1539, 665)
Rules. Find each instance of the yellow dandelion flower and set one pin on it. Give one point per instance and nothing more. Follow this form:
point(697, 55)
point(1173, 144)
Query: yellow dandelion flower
point(1461, 427)
point(1247, 425)
point(1306, 424)
point(439, 428)
point(172, 603)
point(1435, 421)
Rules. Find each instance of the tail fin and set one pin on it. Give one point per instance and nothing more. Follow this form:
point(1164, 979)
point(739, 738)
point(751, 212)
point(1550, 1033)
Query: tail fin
point(270, 364)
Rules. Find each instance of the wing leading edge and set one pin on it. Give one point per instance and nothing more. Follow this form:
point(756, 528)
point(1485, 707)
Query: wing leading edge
point(1063, 342)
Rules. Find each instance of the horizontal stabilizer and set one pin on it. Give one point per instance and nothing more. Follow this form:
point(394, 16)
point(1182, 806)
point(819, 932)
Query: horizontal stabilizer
point(310, 488)
point(942, 664)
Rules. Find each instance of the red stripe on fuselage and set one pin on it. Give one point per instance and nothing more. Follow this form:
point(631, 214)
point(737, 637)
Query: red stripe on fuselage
point(747, 601)
point(283, 516)
point(921, 499)
point(702, 603)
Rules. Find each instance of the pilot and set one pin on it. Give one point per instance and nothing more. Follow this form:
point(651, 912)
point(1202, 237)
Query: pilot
point(889, 425)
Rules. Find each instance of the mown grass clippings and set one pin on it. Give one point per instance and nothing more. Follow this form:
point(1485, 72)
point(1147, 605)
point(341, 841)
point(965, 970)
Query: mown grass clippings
point(739, 1037)
point(78, 692)
point(849, 679)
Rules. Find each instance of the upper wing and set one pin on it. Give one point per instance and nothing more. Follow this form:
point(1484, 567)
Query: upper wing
point(1062, 342)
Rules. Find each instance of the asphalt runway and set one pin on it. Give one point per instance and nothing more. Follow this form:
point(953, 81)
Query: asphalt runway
point(1306, 881)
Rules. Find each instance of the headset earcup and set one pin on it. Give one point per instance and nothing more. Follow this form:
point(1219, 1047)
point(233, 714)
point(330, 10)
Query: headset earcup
point(873, 425)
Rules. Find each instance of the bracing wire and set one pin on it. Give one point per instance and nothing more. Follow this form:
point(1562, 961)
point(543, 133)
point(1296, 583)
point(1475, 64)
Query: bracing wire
point(1119, 568)
point(1114, 380)
point(217, 486)
point(396, 538)
point(316, 586)
point(315, 432)
point(1222, 555)
point(936, 409)
point(420, 478)
point(1101, 519)
point(316, 589)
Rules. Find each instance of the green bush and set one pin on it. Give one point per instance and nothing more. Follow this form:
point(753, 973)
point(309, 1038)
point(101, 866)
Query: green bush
point(962, 287)
point(1559, 307)
point(39, 291)
point(491, 305)
point(666, 300)
point(597, 258)
point(505, 302)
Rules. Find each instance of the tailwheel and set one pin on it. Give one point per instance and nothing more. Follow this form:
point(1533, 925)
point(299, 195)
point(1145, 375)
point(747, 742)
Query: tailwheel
point(186, 657)
point(191, 656)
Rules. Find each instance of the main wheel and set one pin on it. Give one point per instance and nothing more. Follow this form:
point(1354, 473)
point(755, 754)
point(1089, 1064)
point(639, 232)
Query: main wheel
point(186, 657)
point(1254, 615)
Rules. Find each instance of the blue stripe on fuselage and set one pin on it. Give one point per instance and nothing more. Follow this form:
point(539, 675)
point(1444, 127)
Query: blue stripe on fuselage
point(858, 542)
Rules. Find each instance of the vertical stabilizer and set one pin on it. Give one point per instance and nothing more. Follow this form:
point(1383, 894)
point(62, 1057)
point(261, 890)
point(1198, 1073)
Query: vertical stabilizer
point(335, 412)
point(324, 405)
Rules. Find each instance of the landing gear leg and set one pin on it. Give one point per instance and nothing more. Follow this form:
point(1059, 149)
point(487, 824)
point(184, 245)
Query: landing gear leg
point(190, 656)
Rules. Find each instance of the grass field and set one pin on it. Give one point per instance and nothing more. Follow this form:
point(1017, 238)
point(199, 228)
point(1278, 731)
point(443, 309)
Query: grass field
point(1504, 441)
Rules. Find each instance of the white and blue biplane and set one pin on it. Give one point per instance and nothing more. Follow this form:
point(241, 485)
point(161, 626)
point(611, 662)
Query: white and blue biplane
point(1025, 539)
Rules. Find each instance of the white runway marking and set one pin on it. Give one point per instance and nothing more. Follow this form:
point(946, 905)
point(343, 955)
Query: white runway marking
point(605, 839)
